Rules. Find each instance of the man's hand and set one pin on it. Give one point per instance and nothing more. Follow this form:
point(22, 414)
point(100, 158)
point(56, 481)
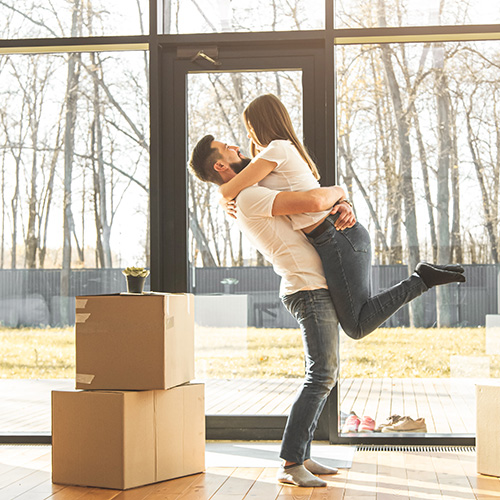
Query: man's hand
point(346, 219)
point(229, 206)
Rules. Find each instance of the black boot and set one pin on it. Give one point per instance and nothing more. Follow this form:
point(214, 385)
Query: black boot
point(434, 274)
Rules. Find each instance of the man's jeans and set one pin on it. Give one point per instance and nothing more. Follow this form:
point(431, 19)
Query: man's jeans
point(314, 311)
point(346, 258)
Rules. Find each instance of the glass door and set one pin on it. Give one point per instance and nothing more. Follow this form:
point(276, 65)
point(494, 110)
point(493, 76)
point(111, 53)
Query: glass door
point(248, 347)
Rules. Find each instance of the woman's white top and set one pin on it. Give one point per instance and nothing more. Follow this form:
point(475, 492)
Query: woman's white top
point(291, 173)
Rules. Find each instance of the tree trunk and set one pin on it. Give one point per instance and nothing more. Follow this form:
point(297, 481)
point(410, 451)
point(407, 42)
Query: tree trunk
point(427, 187)
point(445, 303)
point(2, 233)
point(456, 233)
point(48, 201)
point(393, 252)
point(69, 139)
point(195, 225)
point(476, 160)
point(14, 205)
point(403, 128)
point(201, 241)
point(167, 15)
point(31, 241)
point(351, 174)
point(103, 227)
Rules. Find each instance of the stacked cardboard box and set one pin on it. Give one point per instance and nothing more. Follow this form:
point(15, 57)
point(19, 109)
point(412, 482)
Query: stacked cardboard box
point(488, 429)
point(137, 420)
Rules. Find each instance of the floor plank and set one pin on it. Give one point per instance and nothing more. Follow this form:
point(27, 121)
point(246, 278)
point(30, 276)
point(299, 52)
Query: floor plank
point(238, 484)
point(374, 475)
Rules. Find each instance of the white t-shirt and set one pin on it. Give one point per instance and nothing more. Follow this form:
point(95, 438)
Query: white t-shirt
point(292, 256)
point(291, 173)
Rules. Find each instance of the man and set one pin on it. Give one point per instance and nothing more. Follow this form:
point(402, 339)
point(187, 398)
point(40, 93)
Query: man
point(261, 216)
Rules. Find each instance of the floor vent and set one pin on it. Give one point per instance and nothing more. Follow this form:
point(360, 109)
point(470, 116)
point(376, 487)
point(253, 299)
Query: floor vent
point(418, 448)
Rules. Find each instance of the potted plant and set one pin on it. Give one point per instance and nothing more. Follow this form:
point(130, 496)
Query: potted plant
point(136, 276)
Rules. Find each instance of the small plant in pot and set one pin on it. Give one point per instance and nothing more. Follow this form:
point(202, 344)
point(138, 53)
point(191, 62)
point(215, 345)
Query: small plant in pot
point(136, 276)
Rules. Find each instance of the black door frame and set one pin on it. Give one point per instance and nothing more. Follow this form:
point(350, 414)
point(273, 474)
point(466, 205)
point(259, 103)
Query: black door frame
point(172, 269)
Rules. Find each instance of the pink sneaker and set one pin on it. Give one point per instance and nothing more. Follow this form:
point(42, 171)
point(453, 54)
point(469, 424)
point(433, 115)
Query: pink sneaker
point(367, 424)
point(351, 424)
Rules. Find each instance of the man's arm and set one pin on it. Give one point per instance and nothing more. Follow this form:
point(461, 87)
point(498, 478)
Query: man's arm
point(315, 200)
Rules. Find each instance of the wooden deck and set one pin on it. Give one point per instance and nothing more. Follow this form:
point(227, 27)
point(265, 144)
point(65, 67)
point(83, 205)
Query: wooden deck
point(448, 405)
point(25, 474)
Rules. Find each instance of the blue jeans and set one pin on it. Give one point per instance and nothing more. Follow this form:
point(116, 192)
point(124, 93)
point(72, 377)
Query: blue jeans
point(346, 258)
point(314, 311)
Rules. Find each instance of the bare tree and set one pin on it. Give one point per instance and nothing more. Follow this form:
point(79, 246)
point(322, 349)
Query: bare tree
point(489, 197)
point(444, 296)
point(15, 147)
point(405, 174)
point(47, 195)
point(103, 227)
point(33, 82)
point(69, 141)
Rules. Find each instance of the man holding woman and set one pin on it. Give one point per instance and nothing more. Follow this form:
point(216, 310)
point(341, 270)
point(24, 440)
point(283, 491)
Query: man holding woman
point(282, 216)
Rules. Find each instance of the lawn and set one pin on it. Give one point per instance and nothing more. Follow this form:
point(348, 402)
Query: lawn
point(265, 353)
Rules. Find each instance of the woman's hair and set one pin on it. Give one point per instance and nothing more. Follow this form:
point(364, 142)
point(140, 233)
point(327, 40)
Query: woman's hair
point(269, 119)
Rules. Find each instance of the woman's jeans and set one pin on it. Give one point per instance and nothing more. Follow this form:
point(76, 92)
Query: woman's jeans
point(314, 311)
point(346, 258)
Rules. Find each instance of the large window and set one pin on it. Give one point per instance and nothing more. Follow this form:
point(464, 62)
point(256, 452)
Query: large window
point(393, 13)
point(74, 211)
point(73, 18)
point(215, 16)
point(418, 148)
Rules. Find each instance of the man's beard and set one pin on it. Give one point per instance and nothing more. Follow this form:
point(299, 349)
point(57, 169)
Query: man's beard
point(237, 167)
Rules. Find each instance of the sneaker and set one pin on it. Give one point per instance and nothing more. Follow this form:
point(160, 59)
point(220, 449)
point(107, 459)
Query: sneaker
point(367, 424)
point(351, 424)
point(407, 424)
point(390, 421)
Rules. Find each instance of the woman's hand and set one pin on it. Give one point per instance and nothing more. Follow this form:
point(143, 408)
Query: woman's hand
point(346, 219)
point(229, 206)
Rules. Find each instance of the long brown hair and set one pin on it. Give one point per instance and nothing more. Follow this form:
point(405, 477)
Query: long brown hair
point(269, 119)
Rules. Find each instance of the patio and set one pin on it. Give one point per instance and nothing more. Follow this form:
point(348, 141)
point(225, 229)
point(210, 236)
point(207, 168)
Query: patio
point(447, 404)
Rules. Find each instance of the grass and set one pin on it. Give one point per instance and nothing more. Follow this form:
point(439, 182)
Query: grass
point(36, 353)
point(266, 353)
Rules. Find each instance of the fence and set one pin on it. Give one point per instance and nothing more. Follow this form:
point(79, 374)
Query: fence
point(31, 297)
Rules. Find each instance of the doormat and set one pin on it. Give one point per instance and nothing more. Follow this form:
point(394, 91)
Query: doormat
point(265, 454)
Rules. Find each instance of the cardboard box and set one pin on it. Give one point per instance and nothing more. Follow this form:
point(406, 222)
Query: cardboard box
point(139, 342)
point(488, 430)
point(120, 440)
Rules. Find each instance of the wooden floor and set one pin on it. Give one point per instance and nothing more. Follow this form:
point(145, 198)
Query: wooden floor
point(447, 404)
point(375, 475)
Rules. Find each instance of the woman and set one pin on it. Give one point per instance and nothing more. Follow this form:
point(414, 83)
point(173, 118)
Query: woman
point(281, 162)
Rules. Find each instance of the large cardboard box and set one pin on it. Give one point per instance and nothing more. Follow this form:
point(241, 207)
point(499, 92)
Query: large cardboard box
point(120, 440)
point(488, 429)
point(139, 342)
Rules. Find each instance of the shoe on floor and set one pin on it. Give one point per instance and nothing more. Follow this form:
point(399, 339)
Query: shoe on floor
point(367, 424)
point(407, 424)
point(390, 421)
point(351, 424)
